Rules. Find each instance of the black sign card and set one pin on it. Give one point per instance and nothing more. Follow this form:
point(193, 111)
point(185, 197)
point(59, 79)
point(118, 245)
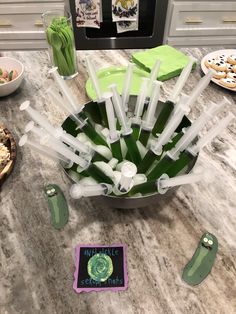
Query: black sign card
point(89, 277)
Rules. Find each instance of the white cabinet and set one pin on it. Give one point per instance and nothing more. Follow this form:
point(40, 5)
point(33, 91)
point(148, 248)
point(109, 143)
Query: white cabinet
point(195, 23)
point(21, 26)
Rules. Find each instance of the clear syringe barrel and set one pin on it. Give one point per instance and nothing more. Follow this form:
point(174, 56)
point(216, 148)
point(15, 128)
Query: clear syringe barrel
point(171, 126)
point(153, 76)
point(195, 128)
point(113, 133)
point(150, 114)
point(37, 117)
point(141, 98)
point(30, 127)
point(127, 85)
point(74, 142)
point(93, 76)
point(165, 182)
point(79, 190)
point(202, 84)
point(45, 151)
point(182, 80)
point(128, 171)
point(65, 90)
point(64, 150)
point(120, 112)
point(59, 101)
point(210, 135)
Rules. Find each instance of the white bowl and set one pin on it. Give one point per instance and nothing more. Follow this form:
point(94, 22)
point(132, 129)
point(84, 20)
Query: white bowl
point(9, 64)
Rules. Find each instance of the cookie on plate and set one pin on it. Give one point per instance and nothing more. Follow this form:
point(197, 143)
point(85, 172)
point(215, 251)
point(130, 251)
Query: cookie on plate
point(223, 57)
point(229, 67)
point(228, 82)
point(231, 59)
point(209, 62)
point(219, 65)
point(231, 75)
point(219, 74)
point(234, 68)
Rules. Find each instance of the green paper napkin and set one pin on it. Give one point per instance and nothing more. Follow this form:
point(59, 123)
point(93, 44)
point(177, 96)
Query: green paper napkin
point(172, 61)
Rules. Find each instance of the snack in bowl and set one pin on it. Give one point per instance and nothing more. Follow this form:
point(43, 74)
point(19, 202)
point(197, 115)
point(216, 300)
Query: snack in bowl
point(6, 76)
point(7, 153)
point(4, 156)
point(11, 75)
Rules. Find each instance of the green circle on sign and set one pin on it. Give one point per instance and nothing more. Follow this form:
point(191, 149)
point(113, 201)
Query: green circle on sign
point(100, 267)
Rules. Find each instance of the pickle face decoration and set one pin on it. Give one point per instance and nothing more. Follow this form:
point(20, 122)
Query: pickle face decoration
point(202, 261)
point(57, 205)
point(100, 267)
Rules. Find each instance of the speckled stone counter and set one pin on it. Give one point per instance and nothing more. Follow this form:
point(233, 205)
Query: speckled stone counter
point(36, 261)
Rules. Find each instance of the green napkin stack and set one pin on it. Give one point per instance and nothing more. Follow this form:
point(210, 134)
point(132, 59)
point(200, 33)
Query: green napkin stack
point(172, 61)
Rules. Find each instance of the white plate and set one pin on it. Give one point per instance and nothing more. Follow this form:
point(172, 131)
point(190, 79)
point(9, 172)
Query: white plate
point(216, 54)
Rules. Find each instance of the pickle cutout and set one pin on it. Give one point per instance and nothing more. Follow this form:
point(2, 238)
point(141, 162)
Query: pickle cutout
point(202, 261)
point(58, 206)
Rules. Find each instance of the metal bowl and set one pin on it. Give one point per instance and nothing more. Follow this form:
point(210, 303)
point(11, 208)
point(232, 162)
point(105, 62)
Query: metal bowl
point(121, 201)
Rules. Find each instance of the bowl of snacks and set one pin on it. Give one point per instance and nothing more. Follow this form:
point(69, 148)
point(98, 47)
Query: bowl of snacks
point(11, 75)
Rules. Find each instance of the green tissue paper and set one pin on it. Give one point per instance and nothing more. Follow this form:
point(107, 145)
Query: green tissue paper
point(172, 61)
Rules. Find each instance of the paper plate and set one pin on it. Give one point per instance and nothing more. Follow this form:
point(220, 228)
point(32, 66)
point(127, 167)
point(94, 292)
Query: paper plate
point(116, 75)
point(216, 54)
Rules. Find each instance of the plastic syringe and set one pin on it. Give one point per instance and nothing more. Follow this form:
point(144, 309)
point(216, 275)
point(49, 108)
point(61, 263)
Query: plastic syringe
point(114, 137)
point(153, 76)
point(187, 156)
point(62, 149)
point(79, 190)
point(148, 121)
point(195, 128)
point(45, 151)
point(128, 171)
point(182, 80)
point(138, 111)
point(169, 105)
point(164, 183)
point(126, 129)
point(100, 101)
point(60, 133)
point(157, 149)
point(65, 91)
point(85, 165)
point(127, 86)
point(59, 101)
point(191, 133)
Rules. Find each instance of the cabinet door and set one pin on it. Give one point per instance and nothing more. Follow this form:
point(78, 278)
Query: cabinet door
point(203, 18)
point(24, 21)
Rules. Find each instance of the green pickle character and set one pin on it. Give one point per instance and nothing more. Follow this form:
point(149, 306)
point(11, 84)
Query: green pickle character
point(58, 206)
point(202, 261)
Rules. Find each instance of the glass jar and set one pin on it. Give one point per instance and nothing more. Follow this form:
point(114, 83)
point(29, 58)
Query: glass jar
point(60, 38)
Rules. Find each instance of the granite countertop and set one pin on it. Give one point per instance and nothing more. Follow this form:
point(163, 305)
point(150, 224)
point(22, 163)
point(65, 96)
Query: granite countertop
point(37, 261)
